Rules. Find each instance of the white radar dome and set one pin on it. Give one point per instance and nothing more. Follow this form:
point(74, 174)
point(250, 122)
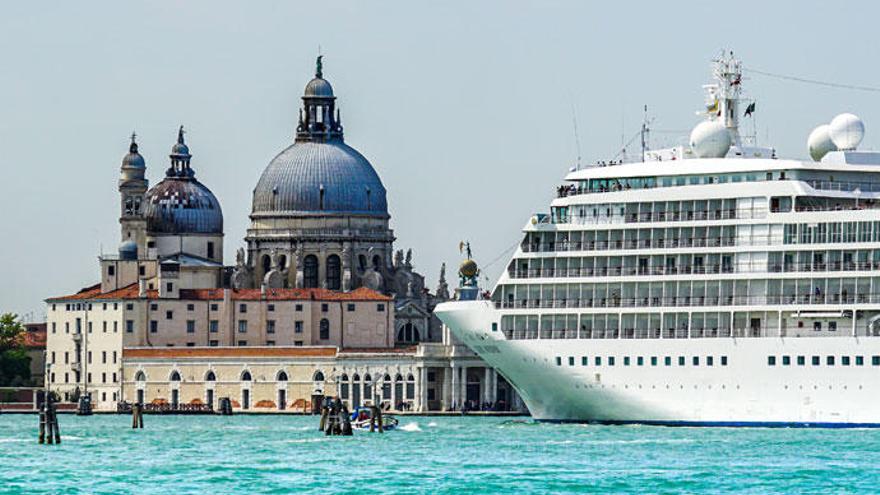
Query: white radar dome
point(819, 143)
point(710, 139)
point(847, 131)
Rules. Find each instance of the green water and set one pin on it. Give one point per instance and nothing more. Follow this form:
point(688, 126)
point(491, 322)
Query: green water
point(286, 454)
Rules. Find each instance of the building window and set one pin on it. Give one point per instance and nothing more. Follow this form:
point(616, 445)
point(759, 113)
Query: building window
point(844, 360)
point(190, 326)
point(270, 326)
point(104, 307)
point(242, 326)
point(350, 307)
point(380, 307)
point(104, 326)
point(786, 360)
point(558, 361)
point(242, 308)
point(190, 344)
point(598, 361)
point(801, 360)
point(154, 307)
point(626, 360)
point(310, 271)
point(299, 307)
point(213, 343)
point(653, 360)
point(129, 306)
point(832, 326)
point(53, 327)
point(571, 360)
point(114, 358)
point(771, 360)
point(213, 307)
point(213, 326)
point(115, 327)
point(190, 307)
point(169, 286)
point(103, 357)
point(210, 249)
point(334, 272)
point(129, 326)
point(816, 361)
point(242, 343)
point(325, 307)
point(111, 270)
point(297, 343)
point(298, 327)
point(667, 361)
point(584, 360)
point(324, 329)
point(66, 327)
point(829, 361)
point(681, 360)
point(270, 342)
point(270, 307)
point(115, 306)
point(610, 360)
point(142, 270)
point(154, 326)
point(169, 315)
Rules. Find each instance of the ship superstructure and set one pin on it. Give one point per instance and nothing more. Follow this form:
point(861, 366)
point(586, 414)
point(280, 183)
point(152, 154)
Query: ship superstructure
point(711, 283)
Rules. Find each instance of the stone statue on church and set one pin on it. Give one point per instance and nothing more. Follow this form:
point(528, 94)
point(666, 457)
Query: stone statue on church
point(442, 286)
point(241, 273)
point(407, 264)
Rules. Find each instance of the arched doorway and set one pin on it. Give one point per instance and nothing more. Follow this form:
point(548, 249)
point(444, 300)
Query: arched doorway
point(210, 378)
point(356, 390)
point(141, 382)
point(175, 390)
point(246, 380)
point(281, 378)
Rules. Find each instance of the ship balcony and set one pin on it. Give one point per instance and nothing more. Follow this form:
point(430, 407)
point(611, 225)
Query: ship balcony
point(639, 333)
point(838, 299)
point(618, 244)
point(618, 271)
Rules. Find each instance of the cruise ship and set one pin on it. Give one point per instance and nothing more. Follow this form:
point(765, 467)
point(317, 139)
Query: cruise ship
point(710, 283)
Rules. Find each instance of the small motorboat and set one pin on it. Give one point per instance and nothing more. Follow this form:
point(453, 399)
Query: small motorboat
point(362, 417)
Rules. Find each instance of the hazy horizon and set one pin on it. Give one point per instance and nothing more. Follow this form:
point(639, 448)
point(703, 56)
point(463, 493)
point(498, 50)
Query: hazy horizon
point(465, 109)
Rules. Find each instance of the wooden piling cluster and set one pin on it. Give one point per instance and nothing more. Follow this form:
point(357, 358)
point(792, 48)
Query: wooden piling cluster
point(376, 419)
point(335, 418)
point(49, 431)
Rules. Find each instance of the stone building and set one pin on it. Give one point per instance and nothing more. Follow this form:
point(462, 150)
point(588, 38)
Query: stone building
point(318, 300)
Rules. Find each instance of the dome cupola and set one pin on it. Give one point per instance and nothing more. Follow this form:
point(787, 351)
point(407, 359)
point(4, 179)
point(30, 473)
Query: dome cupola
point(133, 165)
point(319, 173)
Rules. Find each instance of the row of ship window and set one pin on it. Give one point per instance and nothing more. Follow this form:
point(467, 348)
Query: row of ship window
point(642, 360)
point(817, 360)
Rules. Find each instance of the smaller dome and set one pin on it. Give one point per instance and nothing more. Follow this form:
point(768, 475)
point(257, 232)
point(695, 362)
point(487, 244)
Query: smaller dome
point(180, 149)
point(468, 268)
point(847, 131)
point(318, 88)
point(128, 250)
point(133, 159)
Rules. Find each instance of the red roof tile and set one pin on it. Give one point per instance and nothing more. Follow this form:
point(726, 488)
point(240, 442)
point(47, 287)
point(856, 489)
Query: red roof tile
point(131, 292)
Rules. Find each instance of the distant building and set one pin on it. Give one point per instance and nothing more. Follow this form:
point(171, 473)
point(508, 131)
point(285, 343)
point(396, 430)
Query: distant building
point(318, 302)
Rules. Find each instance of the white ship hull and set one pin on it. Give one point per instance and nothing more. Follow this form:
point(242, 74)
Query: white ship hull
point(747, 390)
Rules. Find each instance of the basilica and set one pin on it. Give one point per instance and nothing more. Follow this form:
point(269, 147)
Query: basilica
point(318, 301)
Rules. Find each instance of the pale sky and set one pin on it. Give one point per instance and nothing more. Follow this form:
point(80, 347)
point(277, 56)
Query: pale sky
point(464, 108)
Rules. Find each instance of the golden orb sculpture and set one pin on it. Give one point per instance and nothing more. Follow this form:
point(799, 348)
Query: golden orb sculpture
point(468, 268)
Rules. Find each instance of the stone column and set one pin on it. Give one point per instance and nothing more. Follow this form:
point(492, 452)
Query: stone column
point(487, 384)
point(393, 392)
point(463, 388)
point(453, 385)
point(493, 392)
point(423, 389)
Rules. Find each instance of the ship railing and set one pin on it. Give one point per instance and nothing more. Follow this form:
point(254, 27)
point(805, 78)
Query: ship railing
point(616, 271)
point(663, 243)
point(693, 301)
point(844, 185)
point(653, 333)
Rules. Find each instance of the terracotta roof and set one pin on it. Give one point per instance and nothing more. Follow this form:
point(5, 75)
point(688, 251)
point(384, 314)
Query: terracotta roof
point(34, 336)
point(219, 352)
point(131, 292)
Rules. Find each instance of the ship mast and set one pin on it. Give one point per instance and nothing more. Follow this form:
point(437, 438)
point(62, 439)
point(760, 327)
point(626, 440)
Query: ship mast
point(722, 99)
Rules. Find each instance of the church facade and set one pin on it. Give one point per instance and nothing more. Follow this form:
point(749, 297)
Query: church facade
point(317, 302)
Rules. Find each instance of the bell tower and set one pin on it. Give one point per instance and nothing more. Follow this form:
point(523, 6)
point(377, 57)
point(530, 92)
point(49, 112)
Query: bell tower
point(132, 188)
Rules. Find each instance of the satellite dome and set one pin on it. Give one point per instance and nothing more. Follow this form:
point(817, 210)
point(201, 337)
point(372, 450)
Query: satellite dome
point(819, 143)
point(847, 131)
point(128, 250)
point(710, 139)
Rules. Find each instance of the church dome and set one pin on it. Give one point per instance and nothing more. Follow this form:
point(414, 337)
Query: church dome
point(318, 88)
point(315, 177)
point(180, 204)
point(319, 173)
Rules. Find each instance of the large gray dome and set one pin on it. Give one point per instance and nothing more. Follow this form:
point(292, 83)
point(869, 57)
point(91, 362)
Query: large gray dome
point(294, 180)
point(182, 206)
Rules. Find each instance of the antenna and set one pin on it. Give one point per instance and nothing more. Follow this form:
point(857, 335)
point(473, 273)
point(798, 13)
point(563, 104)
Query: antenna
point(644, 133)
point(577, 141)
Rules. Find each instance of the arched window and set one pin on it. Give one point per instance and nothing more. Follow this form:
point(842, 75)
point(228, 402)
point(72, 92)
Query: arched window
point(386, 387)
point(344, 387)
point(334, 272)
point(310, 271)
point(282, 261)
point(356, 378)
point(318, 376)
point(282, 376)
point(344, 378)
point(377, 262)
point(362, 262)
point(368, 387)
point(410, 387)
point(175, 376)
point(246, 376)
point(210, 377)
point(409, 333)
point(140, 376)
point(324, 329)
point(267, 263)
